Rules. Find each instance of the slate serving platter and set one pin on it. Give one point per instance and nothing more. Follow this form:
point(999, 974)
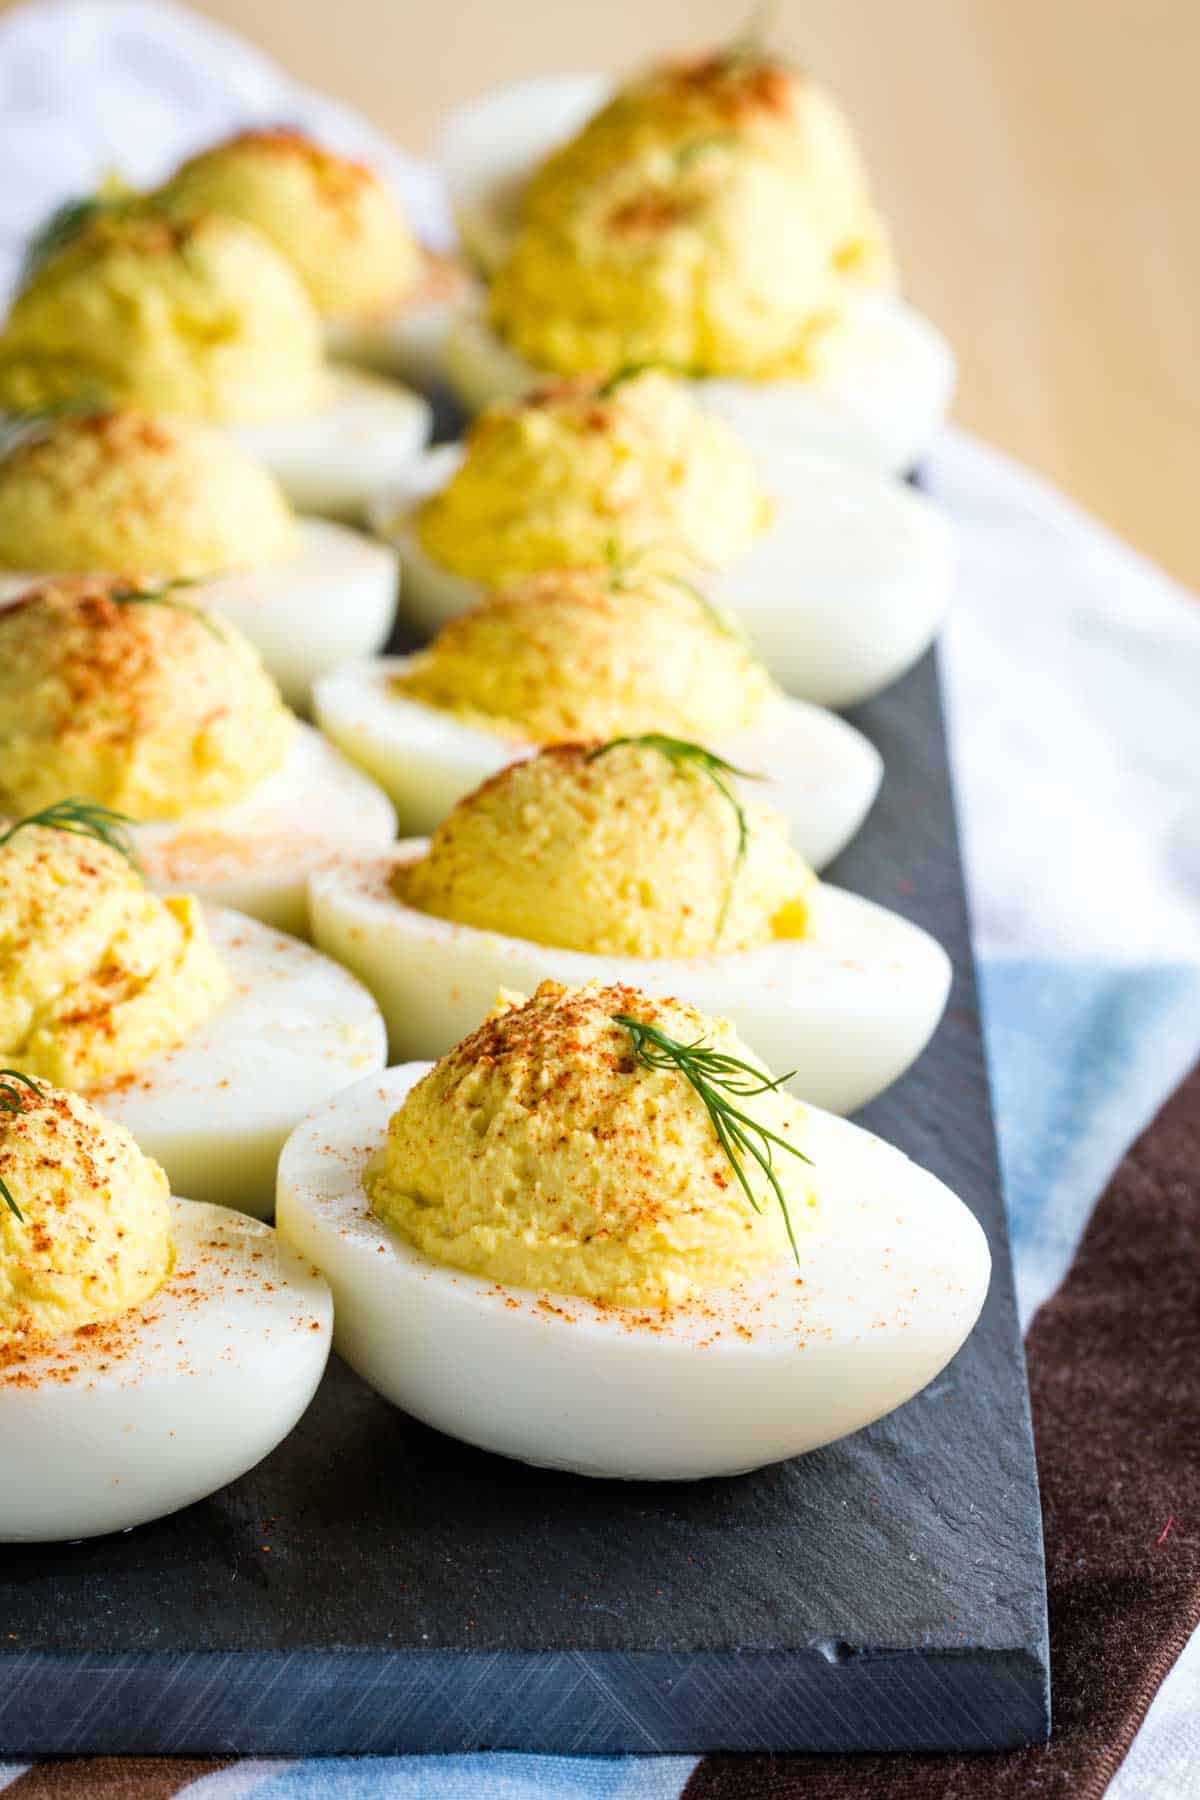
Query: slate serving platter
point(376, 1587)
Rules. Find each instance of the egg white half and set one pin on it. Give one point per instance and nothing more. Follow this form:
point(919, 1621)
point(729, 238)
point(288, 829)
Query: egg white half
point(430, 594)
point(879, 399)
point(849, 583)
point(407, 341)
point(847, 1008)
point(331, 459)
point(332, 598)
point(190, 1390)
point(216, 1110)
point(892, 1276)
point(488, 147)
point(257, 856)
point(842, 592)
point(820, 772)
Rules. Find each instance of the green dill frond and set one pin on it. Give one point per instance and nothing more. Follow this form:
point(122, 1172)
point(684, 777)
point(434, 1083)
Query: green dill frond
point(163, 593)
point(12, 1102)
point(689, 758)
point(82, 818)
point(720, 1079)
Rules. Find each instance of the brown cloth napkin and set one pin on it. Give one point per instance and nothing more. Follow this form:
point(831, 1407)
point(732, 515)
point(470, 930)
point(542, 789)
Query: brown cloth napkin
point(1114, 1374)
point(1114, 1366)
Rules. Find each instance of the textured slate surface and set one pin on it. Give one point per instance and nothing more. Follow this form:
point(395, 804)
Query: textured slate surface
point(886, 1592)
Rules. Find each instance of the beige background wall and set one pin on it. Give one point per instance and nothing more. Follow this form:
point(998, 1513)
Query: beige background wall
point(1039, 160)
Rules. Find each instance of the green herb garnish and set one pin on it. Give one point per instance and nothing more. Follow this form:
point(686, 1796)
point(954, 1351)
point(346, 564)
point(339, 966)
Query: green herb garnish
point(692, 758)
point(17, 425)
point(750, 47)
point(11, 1102)
point(623, 567)
point(162, 593)
point(720, 1079)
point(67, 221)
point(621, 374)
point(81, 818)
point(59, 229)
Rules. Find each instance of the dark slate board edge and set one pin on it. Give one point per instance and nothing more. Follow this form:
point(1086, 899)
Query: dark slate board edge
point(365, 1702)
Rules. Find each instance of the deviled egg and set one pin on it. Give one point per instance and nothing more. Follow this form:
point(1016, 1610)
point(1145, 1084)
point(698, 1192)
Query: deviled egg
point(598, 1236)
point(840, 575)
point(133, 697)
point(386, 300)
point(202, 317)
point(592, 653)
point(170, 499)
point(713, 214)
point(207, 1034)
point(642, 860)
point(162, 1347)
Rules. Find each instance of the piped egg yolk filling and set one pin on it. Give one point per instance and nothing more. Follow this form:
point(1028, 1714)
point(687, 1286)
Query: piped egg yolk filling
point(617, 851)
point(739, 96)
point(97, 975)
point(542, 1154)
point(581, 474)
point(84, 1223)
point(574, 654)
point(133, 698)
point(201, 318)
point(706, 262)
point(145, 496)
point(335, 220)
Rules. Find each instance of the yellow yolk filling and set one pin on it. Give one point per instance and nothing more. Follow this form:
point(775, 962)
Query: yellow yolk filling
point(577, 475)
point(144, 705)
point(540, 1154)
point(622, 853)
point(94, 1236)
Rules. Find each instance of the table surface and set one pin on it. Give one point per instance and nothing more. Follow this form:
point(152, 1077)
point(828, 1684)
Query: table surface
point(1037, 163)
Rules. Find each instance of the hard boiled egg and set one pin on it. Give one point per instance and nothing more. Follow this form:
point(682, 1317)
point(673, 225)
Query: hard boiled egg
point(556, 155)
point(201, 317)
point(206, 1033)
point(384, 298)
point(331, 458)
point(258, 854)
point(133, 697)
point(169, 499)
point(843, 591)
point(878, 398)
point(216, 1110)
point(639, 863)
point(163, 1346)
point(731, 1367)
point(579, 654)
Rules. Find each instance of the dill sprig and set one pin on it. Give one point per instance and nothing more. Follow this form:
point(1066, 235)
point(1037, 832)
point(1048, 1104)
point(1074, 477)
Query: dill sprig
point(720, 1079)
point(689, 758)
point(12, 1102)
point(629, 371)
point(17, 425)
point(82, 818)
point(624, 566)
point(59, 229)
point(163, 593)
point(73, 216)
point(751, 45)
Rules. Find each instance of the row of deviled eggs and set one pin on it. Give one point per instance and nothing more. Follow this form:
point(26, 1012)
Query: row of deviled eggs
point(616, 585)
